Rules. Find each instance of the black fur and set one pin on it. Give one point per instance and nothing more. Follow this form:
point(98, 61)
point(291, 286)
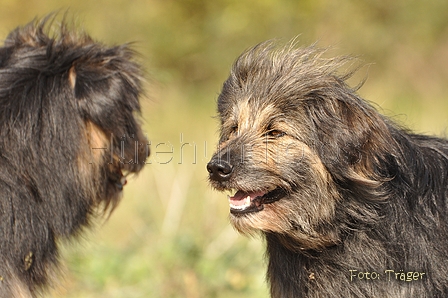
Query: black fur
point(64, 99)
point(362, 196)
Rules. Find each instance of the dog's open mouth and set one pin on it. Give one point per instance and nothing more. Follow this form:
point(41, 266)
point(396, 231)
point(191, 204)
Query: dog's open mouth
point(118, 178)
point(121, 182)
point(248, 202)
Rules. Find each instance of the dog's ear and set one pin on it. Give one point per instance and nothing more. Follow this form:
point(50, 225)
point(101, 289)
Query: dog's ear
point(93, 84)
point(352, 140)
point(102, 78)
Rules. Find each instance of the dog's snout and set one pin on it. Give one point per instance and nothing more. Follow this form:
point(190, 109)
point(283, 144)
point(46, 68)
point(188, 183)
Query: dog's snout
point(219, 170)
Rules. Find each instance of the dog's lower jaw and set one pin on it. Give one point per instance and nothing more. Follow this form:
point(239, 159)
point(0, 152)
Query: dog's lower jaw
point(284, 214)
point(293, 237)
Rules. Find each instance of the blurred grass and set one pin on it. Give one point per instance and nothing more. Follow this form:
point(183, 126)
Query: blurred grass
point(170, 236)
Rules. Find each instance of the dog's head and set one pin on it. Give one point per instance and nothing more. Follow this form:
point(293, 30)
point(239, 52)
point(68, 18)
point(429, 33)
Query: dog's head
point(293, 138)
point(69, 113)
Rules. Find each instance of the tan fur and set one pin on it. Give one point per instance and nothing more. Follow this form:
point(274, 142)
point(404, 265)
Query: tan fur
point(72, 77)
point(275, 216)
point(251, 122)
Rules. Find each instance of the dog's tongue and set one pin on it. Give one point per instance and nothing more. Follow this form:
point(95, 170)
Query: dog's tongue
point(243, 199)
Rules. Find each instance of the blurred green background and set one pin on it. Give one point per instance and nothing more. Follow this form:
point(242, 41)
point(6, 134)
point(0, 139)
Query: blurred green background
point(170, 235)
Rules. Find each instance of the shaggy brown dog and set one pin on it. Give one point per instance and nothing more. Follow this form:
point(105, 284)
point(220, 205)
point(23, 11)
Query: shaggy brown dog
point(350, 204)
point(68, 137)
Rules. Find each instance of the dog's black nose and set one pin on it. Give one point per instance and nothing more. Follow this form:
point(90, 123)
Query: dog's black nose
point(220, 170)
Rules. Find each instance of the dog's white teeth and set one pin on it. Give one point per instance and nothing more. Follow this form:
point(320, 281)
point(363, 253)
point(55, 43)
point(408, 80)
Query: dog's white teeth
point(240, 204)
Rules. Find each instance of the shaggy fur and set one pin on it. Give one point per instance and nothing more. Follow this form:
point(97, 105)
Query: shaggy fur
point(350, 204)
point(68, 137)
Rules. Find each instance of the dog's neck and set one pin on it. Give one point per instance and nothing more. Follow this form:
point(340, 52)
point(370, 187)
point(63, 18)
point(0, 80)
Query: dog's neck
point(286, 269)
point(309, 271)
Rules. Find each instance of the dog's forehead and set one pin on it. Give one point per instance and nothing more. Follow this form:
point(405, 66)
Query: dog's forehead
point(249, 113)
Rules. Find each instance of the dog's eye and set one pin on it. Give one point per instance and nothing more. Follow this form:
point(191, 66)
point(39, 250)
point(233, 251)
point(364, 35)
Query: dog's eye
point(231, 132)
point(274, 133)
point(234, 129)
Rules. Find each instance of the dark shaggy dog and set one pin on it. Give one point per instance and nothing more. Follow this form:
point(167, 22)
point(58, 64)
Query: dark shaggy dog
point(350, 204)
point(68, 138)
